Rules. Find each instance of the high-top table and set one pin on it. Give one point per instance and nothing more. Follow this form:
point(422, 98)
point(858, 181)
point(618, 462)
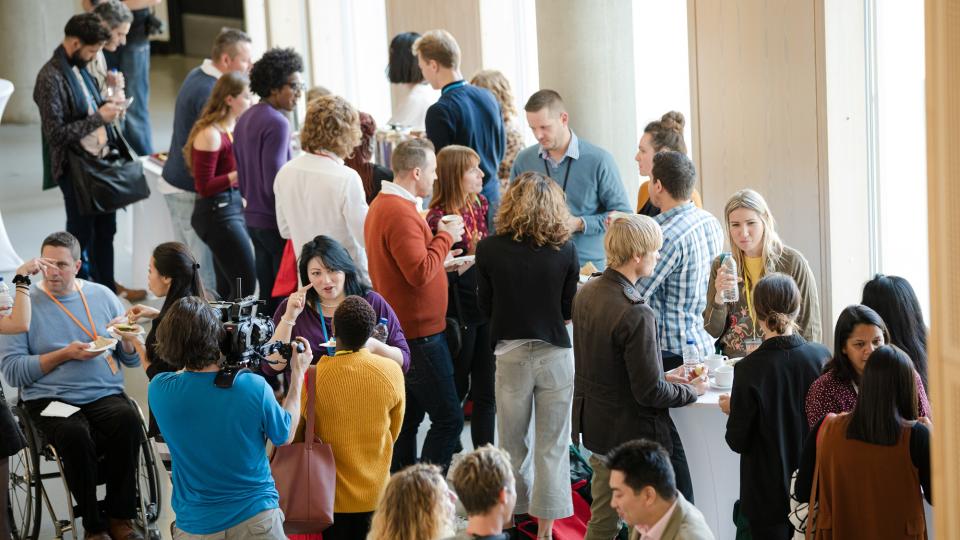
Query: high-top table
point(9, 260)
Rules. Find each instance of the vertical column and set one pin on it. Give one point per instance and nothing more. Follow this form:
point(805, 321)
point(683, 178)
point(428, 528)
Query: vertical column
point(943, 177)
point(586, 54)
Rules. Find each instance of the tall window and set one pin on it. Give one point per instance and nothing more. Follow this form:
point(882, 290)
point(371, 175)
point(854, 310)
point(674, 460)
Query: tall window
point(896, 100)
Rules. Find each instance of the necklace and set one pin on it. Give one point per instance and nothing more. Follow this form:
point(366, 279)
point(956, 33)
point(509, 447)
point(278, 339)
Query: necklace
point(334, 306)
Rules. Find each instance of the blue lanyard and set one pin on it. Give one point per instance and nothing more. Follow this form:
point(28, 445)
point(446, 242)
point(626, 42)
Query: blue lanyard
point(323, 327)
point(452, 85)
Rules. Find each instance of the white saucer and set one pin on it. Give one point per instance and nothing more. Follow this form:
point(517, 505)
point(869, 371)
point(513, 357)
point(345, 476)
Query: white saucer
point(715, 386)
point(110, 345)
point(462, 259)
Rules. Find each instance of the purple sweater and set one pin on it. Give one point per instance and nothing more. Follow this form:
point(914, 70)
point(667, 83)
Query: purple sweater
point(309, 327)
point(261, 145)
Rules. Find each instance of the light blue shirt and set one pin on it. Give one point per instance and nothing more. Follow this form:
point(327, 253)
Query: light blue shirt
point(75, 381)
point(216, 437)
point(593, 189)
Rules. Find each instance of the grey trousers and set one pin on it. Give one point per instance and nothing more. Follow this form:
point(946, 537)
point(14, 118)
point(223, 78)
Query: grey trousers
point(180, 206)
point(267, 525)
point(536, 380)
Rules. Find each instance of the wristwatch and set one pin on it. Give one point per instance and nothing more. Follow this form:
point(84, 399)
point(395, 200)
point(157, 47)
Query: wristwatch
point(18, 279)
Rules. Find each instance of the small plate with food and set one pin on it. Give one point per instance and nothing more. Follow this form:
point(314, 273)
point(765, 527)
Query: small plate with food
point(126, 329)
point(101, 344)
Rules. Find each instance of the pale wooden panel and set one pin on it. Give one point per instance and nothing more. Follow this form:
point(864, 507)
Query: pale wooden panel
point(754, 77)
point(943, 176)
point(459, 17)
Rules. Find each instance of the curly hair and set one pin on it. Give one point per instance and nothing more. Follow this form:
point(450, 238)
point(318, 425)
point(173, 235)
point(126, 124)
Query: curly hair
point(359, 160)
point(412, 506)
point(534, 209)
point(273, 69)
point(353, 321)
point(331, 124)
point(189, 334)
point(497, 83)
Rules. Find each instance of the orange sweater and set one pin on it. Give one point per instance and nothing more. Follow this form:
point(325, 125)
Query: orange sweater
point(360, 405)
point(406, 264)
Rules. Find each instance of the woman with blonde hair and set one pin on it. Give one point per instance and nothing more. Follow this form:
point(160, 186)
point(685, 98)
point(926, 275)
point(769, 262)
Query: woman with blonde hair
point(457, 191)
point(416, 505)
point(316, 192)
point(527, 276)
point(497, 83)
point(758, 250)
point(218, 212)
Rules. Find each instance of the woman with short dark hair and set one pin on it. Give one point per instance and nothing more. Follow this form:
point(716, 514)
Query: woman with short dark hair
point(766, 423)
point(872, 462)
point(859, 332)
point(412, 96)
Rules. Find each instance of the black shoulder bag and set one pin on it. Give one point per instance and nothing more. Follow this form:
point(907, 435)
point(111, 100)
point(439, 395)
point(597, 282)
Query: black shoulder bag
point(106, 184)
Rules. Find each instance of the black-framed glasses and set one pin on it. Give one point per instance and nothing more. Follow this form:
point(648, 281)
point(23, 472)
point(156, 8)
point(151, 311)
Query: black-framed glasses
point(296, 86)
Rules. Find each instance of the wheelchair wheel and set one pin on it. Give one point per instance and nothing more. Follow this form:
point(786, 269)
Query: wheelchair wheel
point(24, 488)
point(148, 488)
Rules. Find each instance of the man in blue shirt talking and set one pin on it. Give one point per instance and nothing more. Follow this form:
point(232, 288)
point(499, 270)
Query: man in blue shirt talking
point(587, 173)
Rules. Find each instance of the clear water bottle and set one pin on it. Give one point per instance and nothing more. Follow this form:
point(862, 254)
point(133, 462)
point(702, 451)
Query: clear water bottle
point(6, 300)
point(691, 357)
point(111, 90)
point(729, 266)
point(380, 331)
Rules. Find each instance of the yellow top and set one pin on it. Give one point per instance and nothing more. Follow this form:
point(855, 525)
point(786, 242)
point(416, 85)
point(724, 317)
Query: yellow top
point(360, 404)
point(644, 195)
point(752, 272)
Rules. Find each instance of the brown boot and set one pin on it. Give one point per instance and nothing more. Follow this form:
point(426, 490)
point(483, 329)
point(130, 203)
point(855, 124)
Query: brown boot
point(122, 529)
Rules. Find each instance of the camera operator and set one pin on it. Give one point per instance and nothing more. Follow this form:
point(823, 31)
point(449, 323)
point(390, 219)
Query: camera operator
point(221, 477)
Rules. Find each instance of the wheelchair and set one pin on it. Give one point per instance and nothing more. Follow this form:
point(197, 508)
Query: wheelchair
point(29, 485)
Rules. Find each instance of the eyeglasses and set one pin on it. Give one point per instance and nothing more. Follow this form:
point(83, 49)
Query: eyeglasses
point(296, 86)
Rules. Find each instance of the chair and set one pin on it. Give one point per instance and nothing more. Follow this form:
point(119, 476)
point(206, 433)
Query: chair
point(28, 489)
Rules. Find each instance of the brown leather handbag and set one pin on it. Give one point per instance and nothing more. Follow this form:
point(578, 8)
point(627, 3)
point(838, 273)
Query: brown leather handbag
point(306, 475)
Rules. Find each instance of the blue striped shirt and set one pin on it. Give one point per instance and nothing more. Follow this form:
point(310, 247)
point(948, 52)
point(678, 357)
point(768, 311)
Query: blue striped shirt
point(677, 290)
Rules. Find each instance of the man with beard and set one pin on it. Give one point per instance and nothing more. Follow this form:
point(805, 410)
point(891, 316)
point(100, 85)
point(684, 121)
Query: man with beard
point(72, 112)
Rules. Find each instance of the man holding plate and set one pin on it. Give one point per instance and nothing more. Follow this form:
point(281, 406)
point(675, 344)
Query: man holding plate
point(66, 364)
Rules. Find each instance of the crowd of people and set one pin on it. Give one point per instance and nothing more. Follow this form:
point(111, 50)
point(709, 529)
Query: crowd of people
point(517, 280)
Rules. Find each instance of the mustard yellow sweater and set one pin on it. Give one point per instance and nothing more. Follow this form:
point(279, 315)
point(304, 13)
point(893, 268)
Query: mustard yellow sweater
point(360, 404)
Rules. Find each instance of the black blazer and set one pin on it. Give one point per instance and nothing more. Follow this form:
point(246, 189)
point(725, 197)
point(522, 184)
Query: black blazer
point(767, 424)
point(619, 391)
point(526, 291)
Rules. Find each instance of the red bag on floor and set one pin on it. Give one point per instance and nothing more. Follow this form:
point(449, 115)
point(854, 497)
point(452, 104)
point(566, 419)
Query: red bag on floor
point(568, 528)
point(287, 280)
point(315, 536)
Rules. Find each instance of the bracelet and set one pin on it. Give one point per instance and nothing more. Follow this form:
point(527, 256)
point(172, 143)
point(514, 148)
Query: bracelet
point(24, 290)
point(291, 323)
point(20, 278)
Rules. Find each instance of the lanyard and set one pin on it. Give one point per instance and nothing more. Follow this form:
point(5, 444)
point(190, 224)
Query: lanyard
point(452, 86)
point(83, 298)
point(566, 175)
point(748, 292)
point(323, 327)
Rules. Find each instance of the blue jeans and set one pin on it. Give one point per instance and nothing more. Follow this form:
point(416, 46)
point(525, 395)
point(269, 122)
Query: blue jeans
point(491, 190)
point(430, 390)
point(133, 60)
point(180, 206)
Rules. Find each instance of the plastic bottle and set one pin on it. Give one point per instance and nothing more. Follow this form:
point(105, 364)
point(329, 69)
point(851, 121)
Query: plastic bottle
point(691, 357)
point(729, 265)
point(6, 301)
point(380, 331)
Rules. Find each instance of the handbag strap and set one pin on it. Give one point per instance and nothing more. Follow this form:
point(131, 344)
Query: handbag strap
point(811, 505)
point(309, 434)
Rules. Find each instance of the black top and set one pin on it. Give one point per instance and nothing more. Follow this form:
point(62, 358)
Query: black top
point(138, 28)
point(380, 173)
point(463, 289)
point(526, 291)
point(919, 456)
point(619, 391)
point(767, 423)
point(469, 116)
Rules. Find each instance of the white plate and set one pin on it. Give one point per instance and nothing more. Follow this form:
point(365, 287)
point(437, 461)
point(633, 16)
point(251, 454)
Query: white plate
point(111, 343)
point(463, 259)
point(331, 343)
point(715, 386)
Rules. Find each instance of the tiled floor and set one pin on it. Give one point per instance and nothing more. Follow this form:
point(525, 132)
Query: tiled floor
point(29, 214)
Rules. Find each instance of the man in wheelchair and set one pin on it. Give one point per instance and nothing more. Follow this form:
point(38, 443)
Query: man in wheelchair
point(67, 358)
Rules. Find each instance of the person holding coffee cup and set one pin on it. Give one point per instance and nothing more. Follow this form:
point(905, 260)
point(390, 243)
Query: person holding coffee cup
point(757, 249)
point(767, 423)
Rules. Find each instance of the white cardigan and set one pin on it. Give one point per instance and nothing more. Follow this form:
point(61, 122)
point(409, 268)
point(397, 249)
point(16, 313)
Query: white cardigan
point(317, 194)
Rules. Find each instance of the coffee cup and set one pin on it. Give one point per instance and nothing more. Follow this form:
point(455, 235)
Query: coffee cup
point(724, 376)
point(450, 218)
point(714, 361)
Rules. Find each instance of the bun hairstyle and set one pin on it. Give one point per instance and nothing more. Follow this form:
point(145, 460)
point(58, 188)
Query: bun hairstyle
point(776, 301)
point(668, 132)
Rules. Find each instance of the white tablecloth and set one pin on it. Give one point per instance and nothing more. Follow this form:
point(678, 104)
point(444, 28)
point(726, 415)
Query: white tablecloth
point(714, 468)
point(141, 228)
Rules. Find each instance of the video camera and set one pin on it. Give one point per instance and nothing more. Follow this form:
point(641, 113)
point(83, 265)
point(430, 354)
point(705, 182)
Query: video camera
point(245, 341)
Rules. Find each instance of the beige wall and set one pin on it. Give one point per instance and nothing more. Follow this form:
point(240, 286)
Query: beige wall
point(943, 176)
point(769, 78)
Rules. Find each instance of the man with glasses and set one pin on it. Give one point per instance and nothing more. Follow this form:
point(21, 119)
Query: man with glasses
point(261, 146)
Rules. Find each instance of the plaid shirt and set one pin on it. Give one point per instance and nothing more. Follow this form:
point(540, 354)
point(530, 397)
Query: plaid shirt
point(677, 290)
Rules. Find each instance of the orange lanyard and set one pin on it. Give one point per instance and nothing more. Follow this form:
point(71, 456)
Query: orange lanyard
point(83, 298)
